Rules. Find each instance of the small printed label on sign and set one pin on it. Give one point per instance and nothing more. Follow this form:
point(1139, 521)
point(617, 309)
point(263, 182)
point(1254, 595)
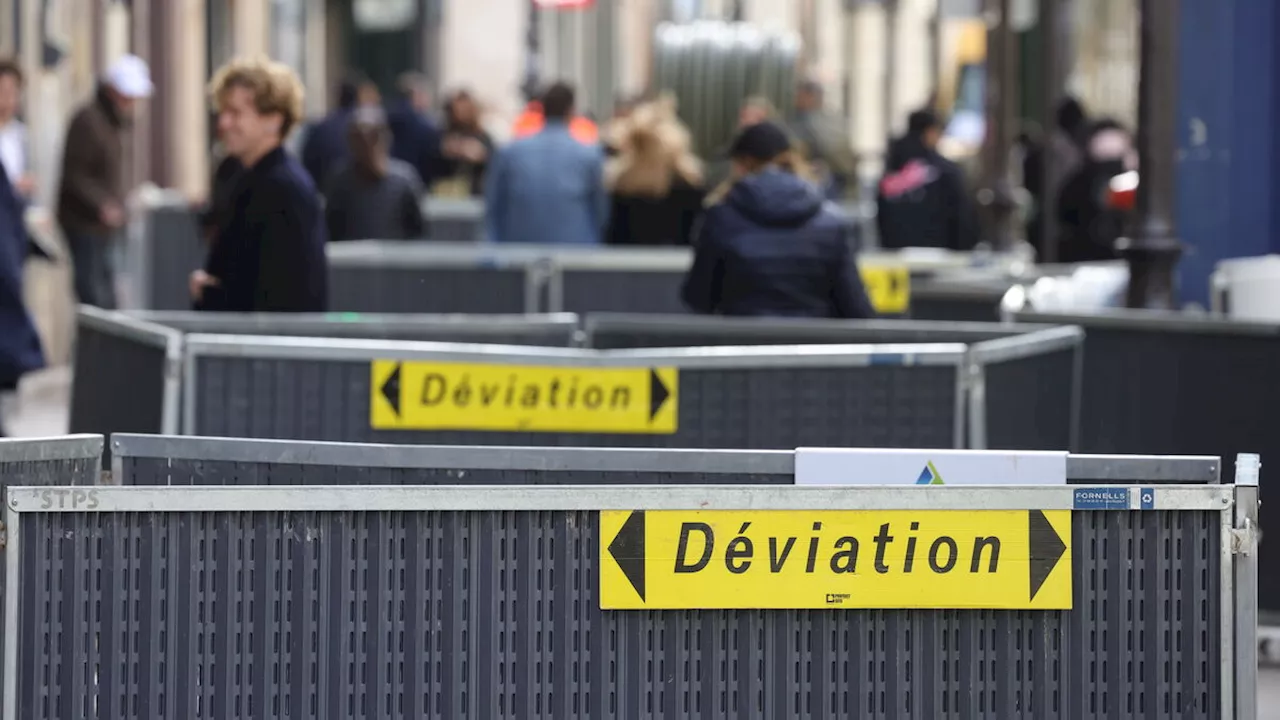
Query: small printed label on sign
point(774, 559)
point(1147, 498)
point(475, 396)
point(1101, 498)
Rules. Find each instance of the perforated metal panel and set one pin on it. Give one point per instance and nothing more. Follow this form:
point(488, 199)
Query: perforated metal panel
point(118, 383)
point(1029, 402)
point(173, 249)
point(494, 615)
point(625, 334)
point(68, 461)
point(620, 290)
point(427, 290)
point(774, 408)
point(165, 471)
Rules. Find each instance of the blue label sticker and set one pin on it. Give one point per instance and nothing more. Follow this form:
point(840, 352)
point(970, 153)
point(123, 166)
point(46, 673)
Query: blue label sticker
point(1148, 498)
point(1102, 498)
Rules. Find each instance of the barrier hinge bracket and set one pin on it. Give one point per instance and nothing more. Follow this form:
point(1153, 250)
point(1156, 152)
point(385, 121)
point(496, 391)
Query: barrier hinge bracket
point(1244, 540)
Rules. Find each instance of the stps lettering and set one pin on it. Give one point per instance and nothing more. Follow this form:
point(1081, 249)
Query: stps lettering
point(63, 499)
point(560, 393)
point(942, 554)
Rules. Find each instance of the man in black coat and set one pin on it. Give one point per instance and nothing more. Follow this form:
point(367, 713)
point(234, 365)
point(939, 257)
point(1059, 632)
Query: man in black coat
point(268, 255)
point(923, 201)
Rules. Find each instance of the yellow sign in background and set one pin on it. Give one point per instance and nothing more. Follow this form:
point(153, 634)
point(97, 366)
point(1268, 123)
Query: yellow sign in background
point(776, 559)
point(478, 396)
point(888, 287)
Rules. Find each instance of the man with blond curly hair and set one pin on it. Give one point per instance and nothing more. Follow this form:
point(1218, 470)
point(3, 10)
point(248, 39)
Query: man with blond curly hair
point(268, 255)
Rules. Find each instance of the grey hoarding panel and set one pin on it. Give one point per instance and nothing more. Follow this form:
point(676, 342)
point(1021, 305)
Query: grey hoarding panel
point(757, 408)
point(391, 289)
point(1031, 402)
point(118, 384)
point(599, 290)
point(174, 248)
point(495, 615)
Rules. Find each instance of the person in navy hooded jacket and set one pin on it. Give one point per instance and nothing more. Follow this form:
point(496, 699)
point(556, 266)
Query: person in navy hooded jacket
point(20, 351)
point(769, 245)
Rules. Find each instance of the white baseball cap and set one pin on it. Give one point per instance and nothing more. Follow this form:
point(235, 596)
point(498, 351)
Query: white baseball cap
point(130, 77)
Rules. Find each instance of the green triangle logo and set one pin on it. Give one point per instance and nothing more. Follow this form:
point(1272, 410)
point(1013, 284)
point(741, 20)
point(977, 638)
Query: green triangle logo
point(930, 475)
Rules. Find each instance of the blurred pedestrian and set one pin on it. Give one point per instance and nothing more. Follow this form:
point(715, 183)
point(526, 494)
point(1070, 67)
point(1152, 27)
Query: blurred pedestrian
point(1089, 223)
point(548, 188)
point(218, 209)
point(374, 197)
point(654, 181)
point(415, 138)
point(20, 351)
point(922, 200)
point(15, 149)
point(768, 246)
point(823, 139)
point(533, 119)
point(269, 254)
point(467, 148)
point(325, 146)
point(91, 196)
point(1062, 148)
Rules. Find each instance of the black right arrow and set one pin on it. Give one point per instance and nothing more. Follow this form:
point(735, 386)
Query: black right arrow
point(627, 550)
point(658, 394)
point(1046, 549)
point(391, 389)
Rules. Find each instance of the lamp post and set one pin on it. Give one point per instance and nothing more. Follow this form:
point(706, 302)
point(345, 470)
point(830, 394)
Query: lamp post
point(996, 195)
point(1152, 246)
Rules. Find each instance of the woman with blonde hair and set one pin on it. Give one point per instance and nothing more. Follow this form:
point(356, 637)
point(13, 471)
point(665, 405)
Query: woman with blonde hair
point(654, 179)
point(770, 246)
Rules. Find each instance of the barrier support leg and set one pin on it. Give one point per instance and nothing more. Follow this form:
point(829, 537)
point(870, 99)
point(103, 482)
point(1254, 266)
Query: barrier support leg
point(1245, 561)
point(12, 596)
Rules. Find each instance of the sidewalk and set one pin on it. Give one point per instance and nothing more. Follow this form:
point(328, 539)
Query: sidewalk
point(42, 406)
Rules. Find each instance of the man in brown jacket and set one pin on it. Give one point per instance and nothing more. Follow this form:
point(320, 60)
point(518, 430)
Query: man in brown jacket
point(91, 197)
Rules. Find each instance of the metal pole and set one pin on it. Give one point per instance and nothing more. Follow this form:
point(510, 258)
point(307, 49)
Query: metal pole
point(996, 196)
point(532, 50)
point(1055, 28)
point(1153, 248)
point(12, 604)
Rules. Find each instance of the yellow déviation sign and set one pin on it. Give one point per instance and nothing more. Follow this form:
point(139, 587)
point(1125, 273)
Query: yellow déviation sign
point(791, 559)
point(888, 287)
point(478, 396)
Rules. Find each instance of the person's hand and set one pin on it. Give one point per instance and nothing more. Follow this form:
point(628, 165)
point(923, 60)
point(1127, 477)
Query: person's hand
point(473, 150)
point(112, 215)
point(26, 186)
point(198, 281)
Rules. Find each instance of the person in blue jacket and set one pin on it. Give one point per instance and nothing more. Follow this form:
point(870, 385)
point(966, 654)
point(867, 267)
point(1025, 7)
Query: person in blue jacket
point(769, 245)
point(20, 351)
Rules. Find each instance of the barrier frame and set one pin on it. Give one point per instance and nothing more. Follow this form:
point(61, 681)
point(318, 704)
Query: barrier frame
point(152, 334)
point(736, 357)
point(1212, 498)
point(335, 324)
point(1154, 469)
point(1018, 347)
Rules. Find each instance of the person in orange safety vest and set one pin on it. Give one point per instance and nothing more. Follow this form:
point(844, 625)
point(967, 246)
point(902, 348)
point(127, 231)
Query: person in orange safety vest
point(531, 121)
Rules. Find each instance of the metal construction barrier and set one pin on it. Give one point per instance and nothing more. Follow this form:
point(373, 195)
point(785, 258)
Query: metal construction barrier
point(873, 395)
point(398, 277)
point(74, 460)
point(126, 374)
point(128, 365)
point(739, 601)
point(166, 246)
point(1163, 382)
point(610, 331)
point(734, 397)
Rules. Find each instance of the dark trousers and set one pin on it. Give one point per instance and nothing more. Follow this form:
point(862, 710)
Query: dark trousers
point(94, 271)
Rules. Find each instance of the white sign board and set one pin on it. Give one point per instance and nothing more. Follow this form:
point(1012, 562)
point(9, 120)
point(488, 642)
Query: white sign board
point(867, 466)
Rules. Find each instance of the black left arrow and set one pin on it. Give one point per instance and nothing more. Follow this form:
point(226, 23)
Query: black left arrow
point(1046, 549)
point(391, 389)
point(627, 550)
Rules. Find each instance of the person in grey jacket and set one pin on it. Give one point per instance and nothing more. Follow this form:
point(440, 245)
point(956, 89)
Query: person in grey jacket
point(374, 196)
